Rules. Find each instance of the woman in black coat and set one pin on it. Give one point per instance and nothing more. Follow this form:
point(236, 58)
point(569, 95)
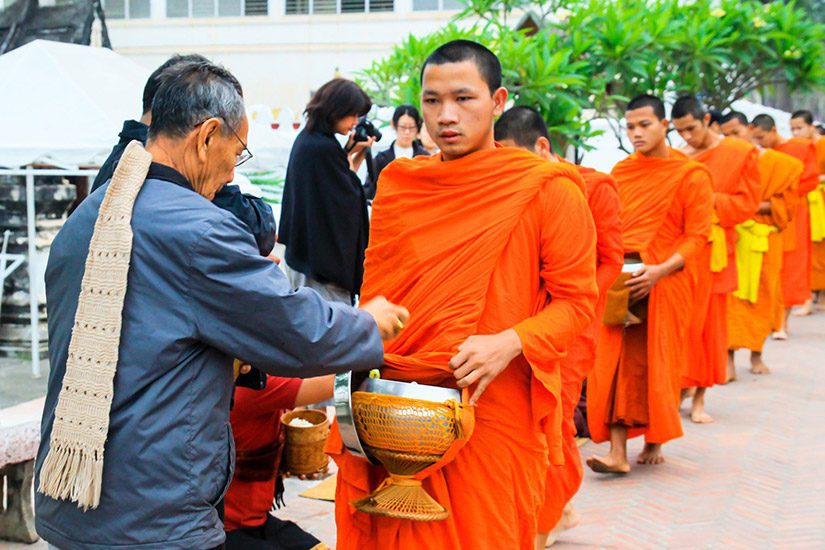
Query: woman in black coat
point(324, 222)
point(407, 124)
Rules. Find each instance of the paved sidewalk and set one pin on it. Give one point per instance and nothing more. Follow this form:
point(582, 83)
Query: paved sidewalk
point(751, 480)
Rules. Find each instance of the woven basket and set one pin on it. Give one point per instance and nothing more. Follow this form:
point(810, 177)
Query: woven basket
point(304, 447)
point(406, 435)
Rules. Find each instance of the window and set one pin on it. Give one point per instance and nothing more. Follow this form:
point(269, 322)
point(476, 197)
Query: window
point(437, 5)
point(127, 9)
point(214, 8)
point(307, 7)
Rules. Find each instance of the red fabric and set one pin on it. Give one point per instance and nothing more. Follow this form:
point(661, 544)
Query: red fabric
point(666, 208)
point(256, 423)
point(796, 263)
point(563, 481)
point(477, 245)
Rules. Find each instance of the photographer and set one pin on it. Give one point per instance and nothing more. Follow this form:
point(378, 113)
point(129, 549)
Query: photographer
point(324, 222)
point(407, 124)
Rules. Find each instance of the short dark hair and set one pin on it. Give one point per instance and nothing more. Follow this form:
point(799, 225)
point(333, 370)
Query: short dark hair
point(337, 99)
point(154, 81)
point(715, 116)
point(688, 105)
point(407, 110)
point(805, 115)
point(522, 124)
point(647, 100)
point(731, 115)
point(764, 122)
point(457, 51)
point(192, 92)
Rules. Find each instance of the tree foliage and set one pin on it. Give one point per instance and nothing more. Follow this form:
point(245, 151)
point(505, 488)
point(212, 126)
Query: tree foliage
point(584, 58)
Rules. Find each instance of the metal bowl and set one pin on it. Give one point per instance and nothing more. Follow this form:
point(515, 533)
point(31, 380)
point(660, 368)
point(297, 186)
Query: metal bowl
point(349, 382)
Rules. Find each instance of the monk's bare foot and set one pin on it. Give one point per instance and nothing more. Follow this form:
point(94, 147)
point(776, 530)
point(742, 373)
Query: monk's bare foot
point(546, 540)
point(731, 374)
point(700, 417)
point(686, 392)
point(805, 309)
point(608, 465)
point(569, 518)
point(651, 454)
point(780, 334)
point(758, 367)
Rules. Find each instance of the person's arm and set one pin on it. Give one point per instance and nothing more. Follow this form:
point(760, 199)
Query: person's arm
point(697, 195)
point(243, 305)
point(254, 212)
point(739, 206)
point(568, 270)
point(783, 205)
point(314, 390)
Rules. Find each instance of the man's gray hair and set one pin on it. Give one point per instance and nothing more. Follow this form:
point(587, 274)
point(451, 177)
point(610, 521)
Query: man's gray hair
point(193, 92)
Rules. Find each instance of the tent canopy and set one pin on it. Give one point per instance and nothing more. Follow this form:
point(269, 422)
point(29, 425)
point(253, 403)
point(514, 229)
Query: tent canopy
point(64, 104)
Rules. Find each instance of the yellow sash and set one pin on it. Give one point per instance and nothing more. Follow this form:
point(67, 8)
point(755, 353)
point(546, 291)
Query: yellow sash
point(750, 249)
point(816, 204)
point(718, 246)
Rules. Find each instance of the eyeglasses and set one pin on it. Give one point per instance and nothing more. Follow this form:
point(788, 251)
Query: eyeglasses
point(400, 128)
point(244, 155)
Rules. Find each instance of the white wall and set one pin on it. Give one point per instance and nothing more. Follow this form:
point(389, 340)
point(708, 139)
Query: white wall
point(278, 59)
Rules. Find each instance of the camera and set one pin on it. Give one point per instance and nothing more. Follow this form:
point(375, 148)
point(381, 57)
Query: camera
point(364, 130)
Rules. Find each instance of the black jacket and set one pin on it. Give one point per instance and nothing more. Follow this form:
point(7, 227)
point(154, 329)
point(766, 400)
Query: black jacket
point(324, 222)
point(253, 211)
point(381, 161)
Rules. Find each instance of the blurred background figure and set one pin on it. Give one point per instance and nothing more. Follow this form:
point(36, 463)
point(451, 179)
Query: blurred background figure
point(324, 221)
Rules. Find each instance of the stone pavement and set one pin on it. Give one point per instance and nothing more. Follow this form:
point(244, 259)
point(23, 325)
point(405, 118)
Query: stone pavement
point(751, 480)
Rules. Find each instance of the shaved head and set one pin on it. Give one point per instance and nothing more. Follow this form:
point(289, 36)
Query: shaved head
point(521, 125)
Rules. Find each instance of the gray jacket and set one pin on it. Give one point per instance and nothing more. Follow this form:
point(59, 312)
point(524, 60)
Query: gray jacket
point(198, 295)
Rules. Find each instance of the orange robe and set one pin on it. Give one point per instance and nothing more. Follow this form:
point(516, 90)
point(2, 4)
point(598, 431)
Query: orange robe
point(734, 167)
point(667, 205)
point(563, 481)
point(749, 323)
point(495, 240)
point(796, 262)
point(818, 248)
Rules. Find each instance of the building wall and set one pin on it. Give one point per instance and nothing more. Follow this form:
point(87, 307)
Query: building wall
point(279, 59)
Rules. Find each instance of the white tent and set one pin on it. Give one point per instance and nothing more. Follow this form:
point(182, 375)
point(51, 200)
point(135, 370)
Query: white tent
point(64, 104)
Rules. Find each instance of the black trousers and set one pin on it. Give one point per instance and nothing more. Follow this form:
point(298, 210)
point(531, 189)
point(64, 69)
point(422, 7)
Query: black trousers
point(274, 534)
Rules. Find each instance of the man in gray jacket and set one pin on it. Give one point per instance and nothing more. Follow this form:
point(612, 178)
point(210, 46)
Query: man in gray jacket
point(198, 294)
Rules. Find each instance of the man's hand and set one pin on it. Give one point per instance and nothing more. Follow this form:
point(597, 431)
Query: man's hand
point(642, 281)
point(482, 358)
point(390, 318)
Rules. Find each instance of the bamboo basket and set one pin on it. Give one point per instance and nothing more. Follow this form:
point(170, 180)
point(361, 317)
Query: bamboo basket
point(304, 446)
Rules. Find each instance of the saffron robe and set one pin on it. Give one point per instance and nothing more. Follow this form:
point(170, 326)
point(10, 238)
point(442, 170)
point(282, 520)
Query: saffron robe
point(667, 205)
point(749, 323)
point(796, 262)
point(563, 481)
point(733, 163)
point(818, 247)
point(495, 240)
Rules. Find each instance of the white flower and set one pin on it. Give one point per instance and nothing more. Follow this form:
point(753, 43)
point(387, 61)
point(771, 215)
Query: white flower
point(563, 15)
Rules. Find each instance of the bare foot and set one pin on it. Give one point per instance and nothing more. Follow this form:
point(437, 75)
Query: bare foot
point(546, 540)
point(686, 392)
point(651, 454)
point(700, 417)
point(569, 518)
point(805, 309)
point(780, 335)
point(731, 374)
point(608, 465)
point(758, 367)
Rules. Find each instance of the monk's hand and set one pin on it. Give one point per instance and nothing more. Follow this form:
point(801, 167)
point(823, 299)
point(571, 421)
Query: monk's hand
point(390, 318)
point(481, 358)
point(239, 367)
point(642, 281)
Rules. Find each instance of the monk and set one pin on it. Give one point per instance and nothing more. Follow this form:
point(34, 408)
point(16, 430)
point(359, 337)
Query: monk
point(752, 308)
point(524, 127)
point(733, 164)
point(802, 126)
point(667, 203)
point(796, 262)
point(494, 252)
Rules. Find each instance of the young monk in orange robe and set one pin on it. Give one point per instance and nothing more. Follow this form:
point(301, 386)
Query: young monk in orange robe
point(525, 128)
point(752, 308)
point(796, 263)
point(802, 126)
point(667, 203)
point(733, 163)
point(493, 252)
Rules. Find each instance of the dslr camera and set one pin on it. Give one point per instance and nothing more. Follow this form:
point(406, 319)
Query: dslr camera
point(364, 130)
